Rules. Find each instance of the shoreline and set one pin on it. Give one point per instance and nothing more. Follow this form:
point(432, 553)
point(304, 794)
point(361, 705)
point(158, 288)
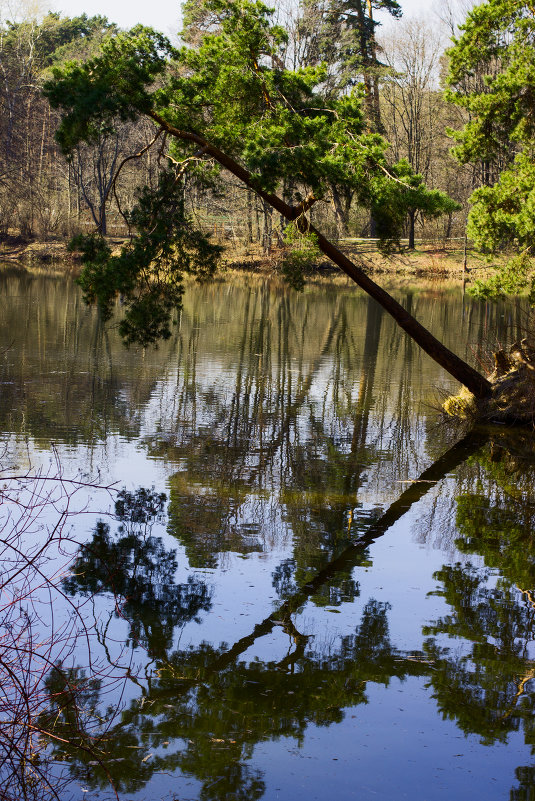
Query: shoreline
point(432, 262)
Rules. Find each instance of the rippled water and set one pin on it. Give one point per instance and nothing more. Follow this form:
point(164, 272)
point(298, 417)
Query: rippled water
point(301, 585)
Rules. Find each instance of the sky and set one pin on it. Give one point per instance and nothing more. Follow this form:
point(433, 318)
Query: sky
point(164, 15)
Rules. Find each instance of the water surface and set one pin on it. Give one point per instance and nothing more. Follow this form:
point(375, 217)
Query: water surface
point(301, 585)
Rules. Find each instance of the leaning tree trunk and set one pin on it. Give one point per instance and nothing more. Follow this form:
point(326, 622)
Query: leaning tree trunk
point(455, 366)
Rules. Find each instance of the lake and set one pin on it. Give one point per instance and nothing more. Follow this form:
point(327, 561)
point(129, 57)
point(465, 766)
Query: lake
point(272, 570)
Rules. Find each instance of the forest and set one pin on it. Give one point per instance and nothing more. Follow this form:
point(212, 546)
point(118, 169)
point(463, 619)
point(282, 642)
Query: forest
point(248, 556)
point(398, 67)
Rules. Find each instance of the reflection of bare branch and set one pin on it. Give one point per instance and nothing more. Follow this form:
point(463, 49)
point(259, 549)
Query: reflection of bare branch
point(302, 393)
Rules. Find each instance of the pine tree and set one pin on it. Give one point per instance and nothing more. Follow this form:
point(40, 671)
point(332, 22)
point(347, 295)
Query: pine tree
point(497, 44)
point(231, 102)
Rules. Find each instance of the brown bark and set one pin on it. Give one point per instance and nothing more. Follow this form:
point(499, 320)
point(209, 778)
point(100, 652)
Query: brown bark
point(455, 366)
point(341, 211)
point(365, 66)
point(373, 79)
point(412, 220)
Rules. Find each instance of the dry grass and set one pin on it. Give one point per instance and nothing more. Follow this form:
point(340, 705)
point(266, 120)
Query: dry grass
point(431, 262)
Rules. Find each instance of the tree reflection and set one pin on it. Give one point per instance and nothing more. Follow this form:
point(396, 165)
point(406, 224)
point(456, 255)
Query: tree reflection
point(205, 721)
point(485, 689)
point(206, 707)
point(277, 413)
point(486, 684)
point(266, 445)
point(139, 572)
point(63, 375)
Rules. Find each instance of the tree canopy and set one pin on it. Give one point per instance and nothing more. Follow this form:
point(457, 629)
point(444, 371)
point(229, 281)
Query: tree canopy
point(233, 91)
point(229, 102)
point(492, 77)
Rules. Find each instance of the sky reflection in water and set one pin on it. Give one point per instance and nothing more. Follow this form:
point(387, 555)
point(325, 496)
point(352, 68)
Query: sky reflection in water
point(300, 619)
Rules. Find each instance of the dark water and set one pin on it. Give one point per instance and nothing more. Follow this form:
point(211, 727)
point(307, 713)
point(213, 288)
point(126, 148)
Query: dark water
point(306, 586)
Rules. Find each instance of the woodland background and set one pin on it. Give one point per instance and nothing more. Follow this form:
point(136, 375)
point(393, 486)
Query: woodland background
point(401, 66)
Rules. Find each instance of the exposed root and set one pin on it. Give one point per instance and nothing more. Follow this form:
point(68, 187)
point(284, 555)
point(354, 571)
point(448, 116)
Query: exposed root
point(513, 391)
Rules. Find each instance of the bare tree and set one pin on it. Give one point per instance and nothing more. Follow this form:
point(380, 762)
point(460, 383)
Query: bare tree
point(450, 14)
point(412, 101)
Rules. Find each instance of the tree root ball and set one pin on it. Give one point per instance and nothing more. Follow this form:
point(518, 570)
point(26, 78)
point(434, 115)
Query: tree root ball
point(513, 391)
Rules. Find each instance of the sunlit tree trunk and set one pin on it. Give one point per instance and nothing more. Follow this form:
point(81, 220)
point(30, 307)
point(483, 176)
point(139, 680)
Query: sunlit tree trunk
point(454, 365)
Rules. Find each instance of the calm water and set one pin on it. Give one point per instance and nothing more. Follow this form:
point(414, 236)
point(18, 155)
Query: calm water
point(301, 586)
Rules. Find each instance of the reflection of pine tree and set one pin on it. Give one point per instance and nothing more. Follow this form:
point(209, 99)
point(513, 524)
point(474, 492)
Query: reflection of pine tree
point(497, 520)
point(137, 569)
point(487, 686)
point(341, 589)
point(486, 689)
point(526, 781)
point(203, 714)
point(208, 707)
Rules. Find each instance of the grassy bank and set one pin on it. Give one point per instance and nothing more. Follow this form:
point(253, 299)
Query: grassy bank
point(428, 261)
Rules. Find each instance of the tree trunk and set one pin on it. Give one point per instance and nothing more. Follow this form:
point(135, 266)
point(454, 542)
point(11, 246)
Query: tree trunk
point(103, 226)
point(340, 212)
point(266, 231)
point(412, 217)
point(456, 367)
point(374, 78)
point(249, 217)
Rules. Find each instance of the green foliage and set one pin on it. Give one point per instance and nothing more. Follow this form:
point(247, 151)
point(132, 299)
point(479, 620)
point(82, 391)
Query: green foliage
point(497, 48)
point(492, 77)
point(148, 272)
point(302, 253)
point(342, 34)
point(114, 85)
point(233, 91)
point(504, 214)
point(513, 278)
point(55, 36)
point(397, 193)
point(229, 92)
